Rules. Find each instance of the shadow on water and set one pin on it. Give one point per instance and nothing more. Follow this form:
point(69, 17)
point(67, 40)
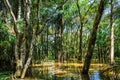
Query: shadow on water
point(63, 72)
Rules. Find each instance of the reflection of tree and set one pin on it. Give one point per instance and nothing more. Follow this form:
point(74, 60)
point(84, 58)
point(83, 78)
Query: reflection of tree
point(85, 77)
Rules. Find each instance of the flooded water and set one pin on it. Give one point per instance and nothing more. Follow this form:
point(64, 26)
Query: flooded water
point(71, 71)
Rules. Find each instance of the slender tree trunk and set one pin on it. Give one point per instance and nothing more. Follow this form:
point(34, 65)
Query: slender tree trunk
point(60, 33)
point(56, 46)
point(47, 42)
point(18, 62)
point(99, 58)
point(81, 28)
point(34, 35)
point(29, 57)
point(100, 48)
point(112, 33)
point(82, 22)
point(19, 10)
point(25, 36)
point(60, 52)
point(92, 39)
point(80, 44)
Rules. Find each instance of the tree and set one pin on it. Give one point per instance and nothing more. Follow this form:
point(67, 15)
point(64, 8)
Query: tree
point(112, 32)
point(92, 39)
point(81, 29)
point(22, 59)
point(81, 25)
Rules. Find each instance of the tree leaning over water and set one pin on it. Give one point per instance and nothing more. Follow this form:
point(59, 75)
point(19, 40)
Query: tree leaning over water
point(92, 39)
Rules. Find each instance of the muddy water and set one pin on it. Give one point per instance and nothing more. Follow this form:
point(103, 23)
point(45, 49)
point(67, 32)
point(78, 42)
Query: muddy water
point(67, 71)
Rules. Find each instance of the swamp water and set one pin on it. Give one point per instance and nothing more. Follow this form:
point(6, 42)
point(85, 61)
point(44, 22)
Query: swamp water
point(68, 71)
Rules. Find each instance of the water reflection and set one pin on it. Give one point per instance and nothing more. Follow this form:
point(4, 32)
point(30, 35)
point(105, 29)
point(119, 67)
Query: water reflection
point(68, 76)
point(63, 72)
point(95, 75)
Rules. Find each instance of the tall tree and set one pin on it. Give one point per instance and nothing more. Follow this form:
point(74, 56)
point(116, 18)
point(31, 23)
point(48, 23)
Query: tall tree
point(23, 61)
point(59, 31)
point(82, 23)
point(81, 29)
point(112, 32)
point(60, 24)
point(92, 39)
point(18, 65)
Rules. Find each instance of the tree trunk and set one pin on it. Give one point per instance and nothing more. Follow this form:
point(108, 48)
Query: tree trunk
point(29, 57)
point(81, 28)
point(34, 35)
point(18, 62)
point(25, 36)
point(99, 58)
point(112, 33)
point(93, 38)
point(60, 34)
point(19, 10)
point(85, 77)
point(20, 46)
point(82, 22)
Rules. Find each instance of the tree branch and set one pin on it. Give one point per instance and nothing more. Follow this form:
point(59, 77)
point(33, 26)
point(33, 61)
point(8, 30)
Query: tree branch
point(37, 17)
point(88, 9)
point(13, 16)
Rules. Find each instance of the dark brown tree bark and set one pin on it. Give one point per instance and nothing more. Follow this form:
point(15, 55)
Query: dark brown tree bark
point(60, 24)
point(92, 39)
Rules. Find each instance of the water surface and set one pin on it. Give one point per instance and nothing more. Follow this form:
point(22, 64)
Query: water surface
point(67, 71)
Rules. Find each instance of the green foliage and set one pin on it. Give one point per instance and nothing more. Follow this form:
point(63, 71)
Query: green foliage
point(4, 75)
point(7, 41)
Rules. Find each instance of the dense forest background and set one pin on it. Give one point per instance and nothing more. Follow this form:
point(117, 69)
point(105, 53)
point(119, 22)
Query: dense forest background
point(35, 31)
